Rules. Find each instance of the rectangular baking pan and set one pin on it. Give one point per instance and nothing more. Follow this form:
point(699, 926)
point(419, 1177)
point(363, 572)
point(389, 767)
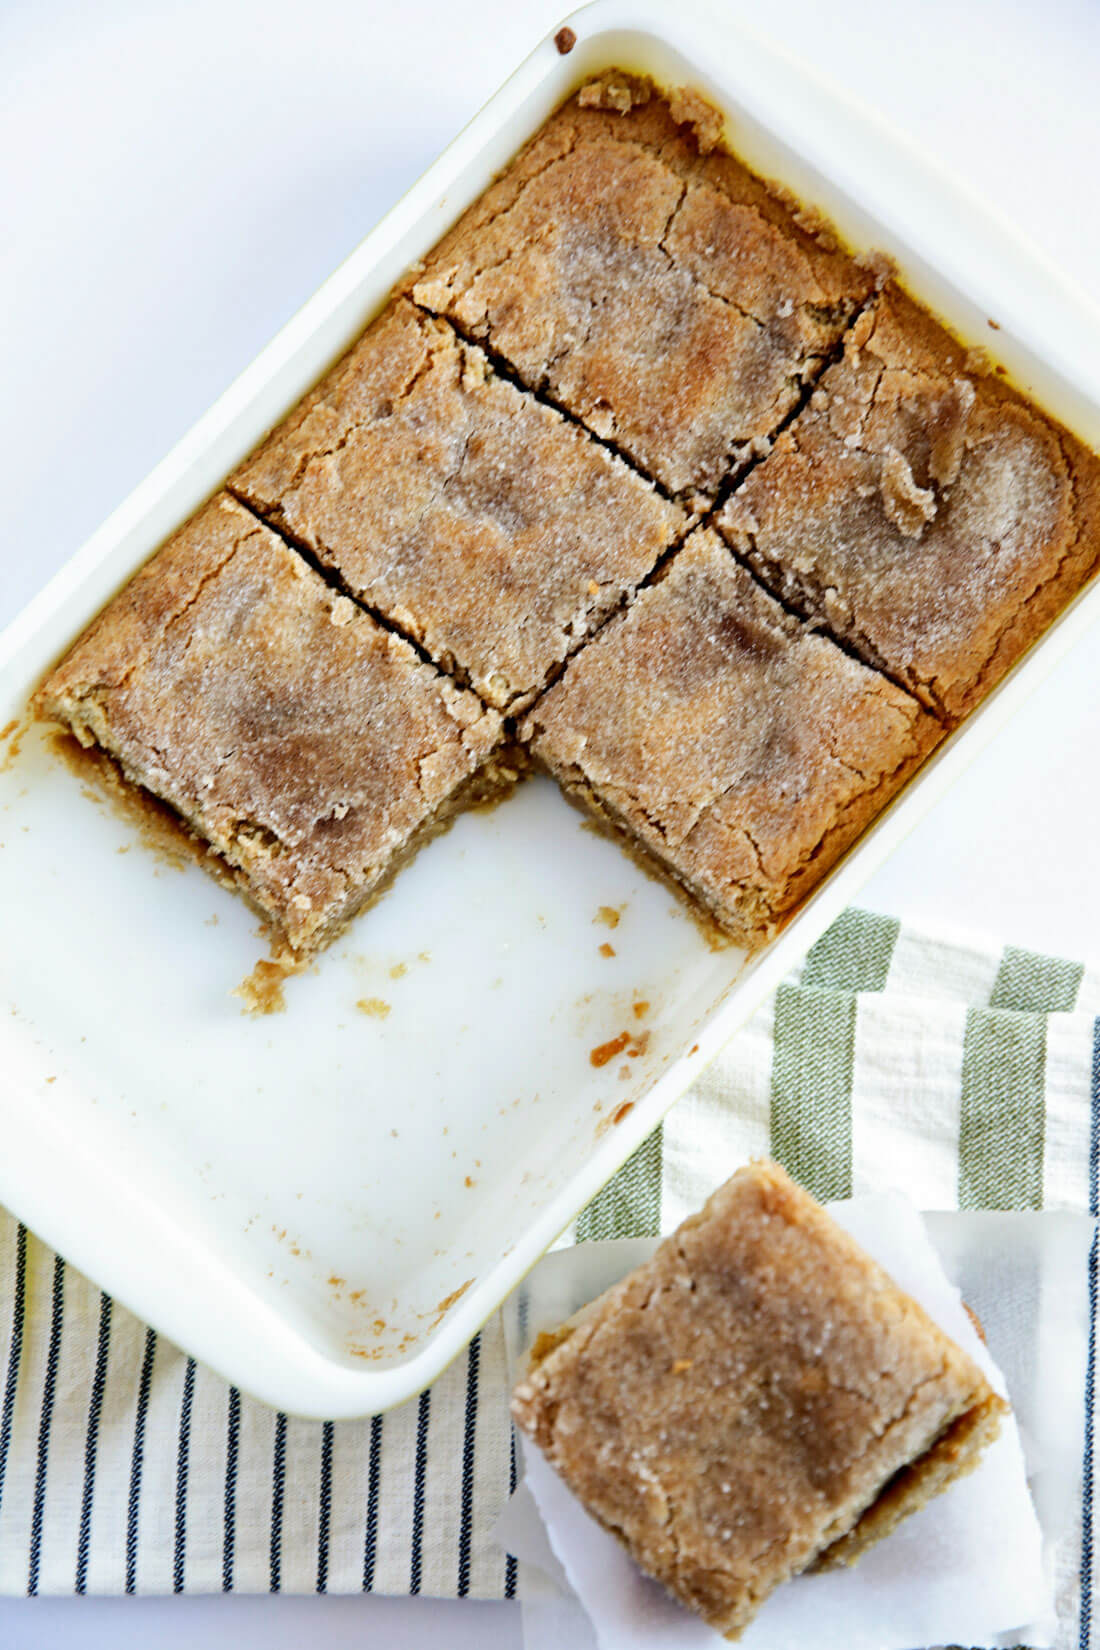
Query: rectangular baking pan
point(324, 1205)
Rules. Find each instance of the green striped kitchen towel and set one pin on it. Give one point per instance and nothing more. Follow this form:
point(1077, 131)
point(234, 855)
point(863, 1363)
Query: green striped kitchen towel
point(968, 1075)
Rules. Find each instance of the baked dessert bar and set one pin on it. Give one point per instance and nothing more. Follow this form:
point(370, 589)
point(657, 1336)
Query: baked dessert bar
point(738, 751)
point(484, 525)
point(311, 749)
point(926, 515)
point(758, 1399)
point(648, 282)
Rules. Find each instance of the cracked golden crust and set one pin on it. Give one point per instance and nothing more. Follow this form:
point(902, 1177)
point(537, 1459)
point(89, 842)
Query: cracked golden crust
point(647, 281)
point(740, 1403)
point(484, 525)
point(741, 751)
point(308, 746)
point(929, 517)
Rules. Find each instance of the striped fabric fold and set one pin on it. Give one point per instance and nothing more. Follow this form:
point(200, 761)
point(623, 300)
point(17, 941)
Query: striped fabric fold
point(967, 1075)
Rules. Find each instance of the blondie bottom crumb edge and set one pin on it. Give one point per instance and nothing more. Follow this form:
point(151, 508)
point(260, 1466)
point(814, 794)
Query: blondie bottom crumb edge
point(733, 751)
point(926, 514)
point(312, 751)
point(632, 269)
point(756, 1400)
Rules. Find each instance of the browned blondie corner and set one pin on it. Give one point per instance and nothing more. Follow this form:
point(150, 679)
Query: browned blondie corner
point(739, 751)
point(644, 278)
point(483, 524)
point(758, 1399)
point(928, 516)
point(313, 750)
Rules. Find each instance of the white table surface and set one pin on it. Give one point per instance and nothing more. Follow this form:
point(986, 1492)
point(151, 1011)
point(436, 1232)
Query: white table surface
point(177, 176)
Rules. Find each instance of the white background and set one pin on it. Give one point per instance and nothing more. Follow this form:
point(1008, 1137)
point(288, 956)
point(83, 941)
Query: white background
point(176, 176)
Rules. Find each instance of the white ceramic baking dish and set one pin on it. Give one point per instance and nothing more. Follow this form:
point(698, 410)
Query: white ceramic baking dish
point(324, 1205)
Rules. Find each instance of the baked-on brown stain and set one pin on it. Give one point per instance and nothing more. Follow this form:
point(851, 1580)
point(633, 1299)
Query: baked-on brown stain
point(604, 1052)
point(641, 1009)
point(375, 1008)
point(622, 1111)
point(607, 950)
point(455, 1295)
point(13, 730)
point(609, 915)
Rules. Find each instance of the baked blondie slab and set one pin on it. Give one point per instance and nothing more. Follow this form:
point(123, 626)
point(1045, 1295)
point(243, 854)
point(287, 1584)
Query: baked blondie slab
point(482, 523)
point(758, 1399)
point(738, 751)
point(629, 267)
point(310, 748)
point(927, 515)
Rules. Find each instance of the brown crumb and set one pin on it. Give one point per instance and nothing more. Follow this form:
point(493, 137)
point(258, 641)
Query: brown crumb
point(622, 1111)
point(641, 1009)
point(609, 915)
point(996, 325)
point(694, 1049)
point(616, 91)
point(398, 971)
point(469, 1181)
point(336, 1283)
point(976, 1321)
point(604, 1052)
point(262, 990)
point(565, 40)
point(376, 1008)
point(607, 950)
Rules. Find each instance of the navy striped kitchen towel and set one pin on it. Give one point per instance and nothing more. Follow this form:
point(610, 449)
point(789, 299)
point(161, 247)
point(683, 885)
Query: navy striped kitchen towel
point(970, 1072)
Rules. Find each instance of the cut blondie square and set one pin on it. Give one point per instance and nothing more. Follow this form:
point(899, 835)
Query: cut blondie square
point(633, 270)
point(484, 525)
point(310, 748)
point(927, 515)
point(758, 1399)
point(733, 749)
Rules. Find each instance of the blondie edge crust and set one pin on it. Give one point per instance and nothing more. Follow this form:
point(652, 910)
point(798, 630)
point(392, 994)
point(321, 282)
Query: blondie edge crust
point(311, 749)
point(735, 749)
point(757, 1399)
